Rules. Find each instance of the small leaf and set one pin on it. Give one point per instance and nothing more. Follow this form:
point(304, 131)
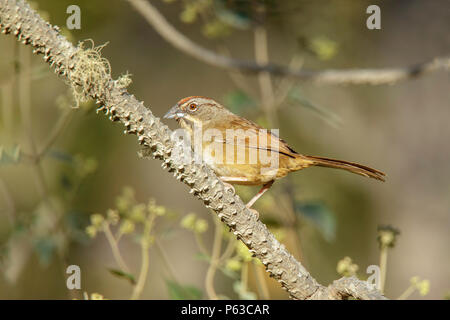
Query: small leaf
point(10, 155)
point(45, 248)
point(180, 292)
point(61, 156)
point(123, 274)
point(320, 216)
point(323, 48)
point(238, 100)
point(233, 18)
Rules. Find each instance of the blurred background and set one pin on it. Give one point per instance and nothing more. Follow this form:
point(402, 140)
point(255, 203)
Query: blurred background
point(66, 172)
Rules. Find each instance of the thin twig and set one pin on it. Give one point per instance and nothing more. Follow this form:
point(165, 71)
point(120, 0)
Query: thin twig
point(60, 125)
point(145, 259)
point(409, 291)
point(10, 207)
point(261, 282)
point(264, 77)
point(286, 84)
point(115, 248)
point(7, 91)
point(351, 76)
point(201, 244)
point(231, 245)
point(383, 266)
point(169, 268)
point(214, 263)
point(244, 276)
point(24, 83)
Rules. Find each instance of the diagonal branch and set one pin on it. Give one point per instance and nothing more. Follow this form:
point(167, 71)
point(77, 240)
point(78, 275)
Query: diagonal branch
point(86, 71)
point(351, 76)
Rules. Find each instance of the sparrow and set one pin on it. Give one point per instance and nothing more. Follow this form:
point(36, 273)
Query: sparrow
point(238, 149)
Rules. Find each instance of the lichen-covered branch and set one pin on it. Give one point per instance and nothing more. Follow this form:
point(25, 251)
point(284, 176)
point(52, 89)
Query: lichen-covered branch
point(351, 76)
point(89, 75)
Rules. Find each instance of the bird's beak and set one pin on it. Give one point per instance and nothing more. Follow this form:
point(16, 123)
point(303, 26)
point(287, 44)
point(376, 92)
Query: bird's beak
point(174, 112)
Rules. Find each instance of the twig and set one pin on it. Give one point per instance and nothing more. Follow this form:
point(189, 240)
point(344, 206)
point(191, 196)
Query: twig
point(214, 262)
point(383, 265)
point(201, 244)
point(70, 63)
point(24, 82)
point(238, 77)
point(287, 83)
point(264, 77)
point(115, 248)
point(228, 250)
point(7, 91)
point(244, 276)
point(352, 76)
point(261, 282)
point(63, 121)
point(10, 207)
point(409, 291)
point(165, 260)
point(145, 259)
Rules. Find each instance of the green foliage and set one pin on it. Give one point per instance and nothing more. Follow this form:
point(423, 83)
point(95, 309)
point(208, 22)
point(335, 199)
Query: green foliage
point(387, 236)
point(423, 286)
point(123, 274)
point(193, 223)
point(180, 292)
point(216, 29)
point(237, 101)
point(323, 48)
point(320, 216)
point(10, 155)
point(45, 247)
point(346, 268)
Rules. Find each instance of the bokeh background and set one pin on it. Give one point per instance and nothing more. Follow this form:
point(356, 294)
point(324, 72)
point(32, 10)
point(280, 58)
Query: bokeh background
point(322, 215)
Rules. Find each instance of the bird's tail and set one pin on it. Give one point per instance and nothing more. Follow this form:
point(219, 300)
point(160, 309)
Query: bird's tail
point(345, 165)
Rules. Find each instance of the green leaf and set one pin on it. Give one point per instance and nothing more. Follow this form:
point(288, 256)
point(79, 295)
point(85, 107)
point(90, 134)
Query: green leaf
point(297, 97)
point(236, 19)
point(237, 101)
point(180, 292)
point(45, 248)
point(320, 216)
point(323, 48)
point(10, 155)
point(123, 274)
point(60, 156)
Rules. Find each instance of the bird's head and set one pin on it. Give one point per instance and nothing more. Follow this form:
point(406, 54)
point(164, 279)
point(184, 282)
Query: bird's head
point(196, 109)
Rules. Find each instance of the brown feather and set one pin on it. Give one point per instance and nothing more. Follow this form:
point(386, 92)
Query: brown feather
point(346, 165)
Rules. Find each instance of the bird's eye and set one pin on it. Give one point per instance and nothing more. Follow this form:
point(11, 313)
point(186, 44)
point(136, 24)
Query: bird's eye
point(192, 107)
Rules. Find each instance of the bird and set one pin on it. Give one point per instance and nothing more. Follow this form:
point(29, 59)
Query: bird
point(237, 149)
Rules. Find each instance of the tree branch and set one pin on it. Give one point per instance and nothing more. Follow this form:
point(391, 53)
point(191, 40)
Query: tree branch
point(86, 71)
point(352, 76)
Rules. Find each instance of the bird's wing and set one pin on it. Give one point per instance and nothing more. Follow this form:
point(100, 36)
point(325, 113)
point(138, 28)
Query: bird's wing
point(253, 136)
